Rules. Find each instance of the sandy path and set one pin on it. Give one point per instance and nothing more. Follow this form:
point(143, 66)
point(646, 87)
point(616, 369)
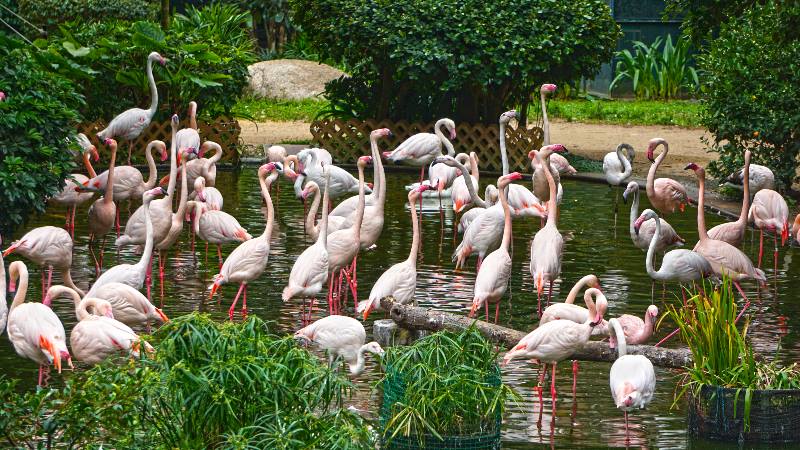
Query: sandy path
point(585, 139)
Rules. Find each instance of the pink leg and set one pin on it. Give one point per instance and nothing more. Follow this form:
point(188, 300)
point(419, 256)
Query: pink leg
point(626, 426)
point(72, 222)
point(478, 264)
point(355, 284)
point(116, 220)
point(235, 300)
point(775, 256)
point(760, 247)
point(44, 288)
point(553, 385)
point(94, 257)
point(311, 309)
point(161, 264)
point(542, 370)
point(219, 255)
point(486, 310)
point(41, 375)
point(746, 301)
point(192, 242)
point(244, 303)
point(49, 277)
point(574, 377)
point(549, 292)
point(206, 252)
point(102, 248)
point(496, 312)
point(667, 337)
point(148, 276)
point(330, 294)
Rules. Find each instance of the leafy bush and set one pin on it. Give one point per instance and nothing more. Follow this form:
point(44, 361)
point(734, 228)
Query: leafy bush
point(468, 60)
point(657, 73)
point(208, 51)
point(36, 118)
point(752, 92)
point(52, 12)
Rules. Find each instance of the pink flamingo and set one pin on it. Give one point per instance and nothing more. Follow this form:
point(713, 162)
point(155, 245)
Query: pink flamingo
point(491, 195)
point(770, 212)
point(341, 336)
point(617, 164)
point(761, 177)
point(189, 138)
point(677, 265)
point(724, 258)
point(249, 260)
point(636, 330)
point(103, 212)
point(130, 306)
point(99, 336)
point(492, 280)
point(665, 194)
point(572, 312)
point(310, 269)
point(558, 163)
point(733, 232)
point(49, 247)
point(587, 281)
point(130, 124)
point(400, 280)
point(134, 275)
point(632, 378)
point(548, 244)
point(556, 341)
point(544, 91)
point(341, 182)
point(422, 148)
point(216, 227)
point(459, 192)
point(176, 224)
point(643, 236)
point(69, 196)
point(33, 328)
point(540, 184)
point(335, 223)
point(210, 195)
point(521, 201)
point(200, 167)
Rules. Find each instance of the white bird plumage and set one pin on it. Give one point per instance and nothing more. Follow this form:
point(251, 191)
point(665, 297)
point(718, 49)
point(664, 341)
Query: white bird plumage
point(343, 337)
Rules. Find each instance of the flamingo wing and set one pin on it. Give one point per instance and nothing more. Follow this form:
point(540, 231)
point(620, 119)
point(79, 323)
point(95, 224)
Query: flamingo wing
point(247, 261)
point(420, 148)
point(635, 371)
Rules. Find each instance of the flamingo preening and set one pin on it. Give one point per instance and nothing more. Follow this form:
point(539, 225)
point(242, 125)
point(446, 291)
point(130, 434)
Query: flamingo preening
point(341, 336)
point(643, 235)
point(632, 378)
point(130, 124)
point(98, 335)
point(761, 177)
point(422, 148)
point(665, 194)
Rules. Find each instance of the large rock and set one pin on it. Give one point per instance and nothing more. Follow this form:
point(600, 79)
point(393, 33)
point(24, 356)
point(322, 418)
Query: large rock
point(290, 79)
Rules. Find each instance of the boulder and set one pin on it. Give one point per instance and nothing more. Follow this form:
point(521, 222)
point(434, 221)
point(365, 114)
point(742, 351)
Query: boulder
point(290, 79)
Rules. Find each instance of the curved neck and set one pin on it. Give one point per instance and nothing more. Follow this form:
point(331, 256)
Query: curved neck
point(311, 228)
point(634, 210)
point(649, 326)
point(447, 144)
point(148, 244)
point(573, 293)
point(651, 250)
point(503, 151)
point(701, 202)
point(108, 196)
point(193, 115)
point(151, 165)
point(22, 288)
point(323, 228)
point(651, 174)
point(415, 237)
point(60, 291)
point(359, 219)
point(361, 362)
point(470, 186)
point(545, 122)
point(173, 164)
point(265, 183)
point(82, 307)
point(746, 183)
point(626, 165)
point(622, 346)
point(551, 183)
point(87, 162)
point(590, 305)
point(507, 216)
point(153, 90)
point(473, 166)
point(184, 194)
point(211, 161)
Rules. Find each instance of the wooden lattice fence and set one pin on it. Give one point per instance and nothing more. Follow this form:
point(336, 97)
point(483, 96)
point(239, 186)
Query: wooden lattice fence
point(348, 139)
point(224, 131)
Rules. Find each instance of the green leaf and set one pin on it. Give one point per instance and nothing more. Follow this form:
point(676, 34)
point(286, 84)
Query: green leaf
point(74, 50)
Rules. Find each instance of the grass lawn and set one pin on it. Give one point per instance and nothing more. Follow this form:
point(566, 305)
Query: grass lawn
point(261, 110)
point(623, 112)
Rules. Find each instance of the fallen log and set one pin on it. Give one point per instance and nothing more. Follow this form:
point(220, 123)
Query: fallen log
point(417, 318)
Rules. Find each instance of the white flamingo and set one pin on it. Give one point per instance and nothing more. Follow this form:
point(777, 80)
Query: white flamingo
point(459, 191)
point(677, 265)
point(128, 181)
point(548, 244)
point(70, 196)
point(522, 201)
point(98, 336)
point(209, 195)
point(49, 247)
point(130, 306)
point(341, 182)
point(617, 164)
point(632, 378)
point(189, 138)
point(644, 235)
point(343, 337)
point(422, 148)
point(733, 232)
point(761, 177)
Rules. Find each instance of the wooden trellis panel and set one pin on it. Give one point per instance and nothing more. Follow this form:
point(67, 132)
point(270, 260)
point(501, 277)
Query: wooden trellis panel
point(224, 131)
point(348, 139)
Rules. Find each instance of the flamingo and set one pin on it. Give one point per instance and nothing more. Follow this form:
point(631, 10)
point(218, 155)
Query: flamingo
point(341, 336)
point(176, 224)
point(548, 244)
point(200, 167)
point(216, 227)
point(275, 153)
point(617, 165)
point(211, 196)
point(540, 184)
point(103, 212)
point(724, 258)
point(586, 281)
point(69, 196)
point(644, 235)
point(556, 341)
point(572, 312)
point(400, 280)
point(459, 192)
point(678, 265)
point(134, 275)
point(546, 89)
point(492, 280)
point(521, 201)
point(557, 163)
point(770, 212)
point(130, 306)
point(49, 247)
point(761, 177)
point(249, 260)
point(128, 181)
point(441, 176)
point(733, 232)
point(422, 148)
point(34, 329)
point(636, 330)
point(3, 301)
point(344, 244)
point(320, 156)
point(189, 138)
point(334, 222)
point(665, 194)
point(632, 378)
point(310, 269)
point(341, 182)
point(130, 124)
point(491, 195)
point(99, 336)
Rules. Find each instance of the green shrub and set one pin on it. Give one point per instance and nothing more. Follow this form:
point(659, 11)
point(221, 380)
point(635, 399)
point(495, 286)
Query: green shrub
point(52, 12)
point(36, 118)
point(752, 91)
point(468, 60)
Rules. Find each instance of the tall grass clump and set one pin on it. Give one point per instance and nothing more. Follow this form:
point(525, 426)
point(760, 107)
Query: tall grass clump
point(446, 384)
point(657, 73)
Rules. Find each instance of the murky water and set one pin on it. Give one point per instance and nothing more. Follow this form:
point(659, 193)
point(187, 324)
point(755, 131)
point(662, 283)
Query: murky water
point(593, 245)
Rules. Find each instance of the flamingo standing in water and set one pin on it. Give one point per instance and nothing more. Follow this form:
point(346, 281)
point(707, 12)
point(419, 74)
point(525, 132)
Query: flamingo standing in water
point(422, 148)
point(761, 177)
point(341, 182)
point(103, 212)
point(617, 164)
point(733, 232)
point(341, 336)
point(310, 269)
point(202, 166)
point(572, 312)
point(548, 244)
point(130, 124)
point(643, 236)
point(540, 184)
point(558, 163)
point(492, 280)
point(632, 378)
point(216, 227)
point(556, 341)
point(33, 328)
point(49, 247)
point(69, 196)
point(665, 194)
point(98, 336)
point(677, 265)
point(770, 212)
point(400, 280)
point(176, 225)
point(521, 201)
point(459, 192)
point(725, 259)
point(248, 261)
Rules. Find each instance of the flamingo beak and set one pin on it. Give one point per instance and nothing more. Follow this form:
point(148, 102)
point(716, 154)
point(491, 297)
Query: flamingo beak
point(47, 301)
point(13, 247)
point(161, 314)
point(95, 154)
point(164, 154)
point(452, 134)
point(46, 345)
point(214, 289)
point(784, 233)
point(386, 154)
point(367, 311)
point(682, 207)
point(164, 181)
point(473, 309)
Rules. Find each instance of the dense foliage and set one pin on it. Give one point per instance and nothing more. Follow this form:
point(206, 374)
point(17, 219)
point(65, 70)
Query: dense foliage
point(752, 84)
point(209, 385)
point(208, 51)
point(445, 384)
point(657, 73)
point(48, 13)
point(641, 112)
point(36, 118)
point(468, 60)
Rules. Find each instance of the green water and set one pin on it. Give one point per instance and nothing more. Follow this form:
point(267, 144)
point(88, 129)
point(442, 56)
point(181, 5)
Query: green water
point(593, 244)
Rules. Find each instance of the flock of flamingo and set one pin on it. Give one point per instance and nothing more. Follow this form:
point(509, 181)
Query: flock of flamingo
point(115, 303)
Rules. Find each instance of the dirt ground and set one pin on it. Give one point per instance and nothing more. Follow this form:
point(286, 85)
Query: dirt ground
point(585, 139)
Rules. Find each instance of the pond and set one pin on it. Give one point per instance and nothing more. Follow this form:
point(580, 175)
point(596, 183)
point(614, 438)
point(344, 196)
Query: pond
point(593, 245)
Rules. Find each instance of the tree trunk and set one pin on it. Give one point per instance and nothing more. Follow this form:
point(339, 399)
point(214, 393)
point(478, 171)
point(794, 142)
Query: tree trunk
point(165, 15)
point(420, 318)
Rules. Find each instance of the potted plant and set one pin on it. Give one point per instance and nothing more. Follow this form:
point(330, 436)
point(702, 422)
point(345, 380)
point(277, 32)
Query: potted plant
point(445, 391)
point(733, 395)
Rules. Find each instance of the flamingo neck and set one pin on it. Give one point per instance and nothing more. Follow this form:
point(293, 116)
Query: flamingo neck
point(649, 326)
point(178, 217)
point(193, 115)
point(378, 188)
point(265, 184)
point(634, 211)
point(627, 169)
point(551, 184)
point(108, 196)
point(361, 204)
point(545, 121)
point(622, 345)
point(323, 228)
point(311, 228)
point(22, 286)
point(651, 173)
point(59, 291)
point(3, 305)
point(82, 307)
point(651, 250)
point(151, 166)
point(473, 166)
point(506, 244)
point(470, 186)
point(211, 162)
point(573, 293)
point(173, 164)
point(148, 243)
point(701, 201)
point(503, 151)
point(437, 129)
point(87, 162)
point(415, 238)
point(746, 200)
point(361, 362)
point(153, 91)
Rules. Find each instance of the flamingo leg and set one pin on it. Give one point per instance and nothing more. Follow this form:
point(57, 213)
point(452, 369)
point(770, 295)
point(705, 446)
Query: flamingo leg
point(667, 337)
point(549, 292)
point(41, 375)
point(44, 289)
point(330, 294)
point(130, 149)
point(775, 257)
point(496, 312)
point(116, 220)
point(94, 257)
point(760, 247)
point(49, 277)
point(486, 309)
point(311, 309)
point(161, 264)
point(574, 377)
point(746, 301)
point(102, 248)
point(244, 303)
point(219, 255)
point(553, 394)
point(235, 300)
point(148, 276)
point(542, 370)
point(206, 252)
point(353, 288)
point(478, 264)
point(626, 426)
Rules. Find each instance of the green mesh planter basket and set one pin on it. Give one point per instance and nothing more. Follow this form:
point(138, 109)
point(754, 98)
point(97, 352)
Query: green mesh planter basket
point(717, 413)
point(485, 436)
